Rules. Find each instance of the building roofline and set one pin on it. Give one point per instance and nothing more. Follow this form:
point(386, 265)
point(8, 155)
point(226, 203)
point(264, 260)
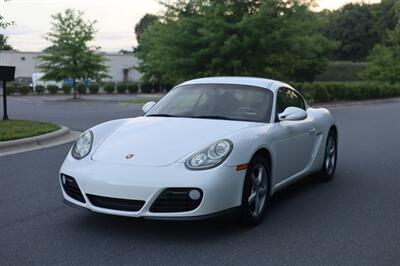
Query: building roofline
point(37, 53)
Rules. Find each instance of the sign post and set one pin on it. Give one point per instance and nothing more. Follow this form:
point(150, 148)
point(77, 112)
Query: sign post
point(7, 73)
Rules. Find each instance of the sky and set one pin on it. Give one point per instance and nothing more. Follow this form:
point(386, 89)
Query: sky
point(115, 20)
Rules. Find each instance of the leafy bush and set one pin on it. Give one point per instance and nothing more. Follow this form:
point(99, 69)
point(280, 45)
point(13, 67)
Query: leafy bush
point(67, 88)
point(146, 88)
point(52, 89)
point(40, 89)
point(344, 91)
point(81, 88)
point(341, 71)
point(94, 88)
point(321, 94)
point(109, 88)
point(24, 89)
point(12, 88)
point(133, 87)
point(122, 87)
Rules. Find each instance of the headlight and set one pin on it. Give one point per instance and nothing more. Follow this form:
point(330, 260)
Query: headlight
point(82, 145)
point(211, 156)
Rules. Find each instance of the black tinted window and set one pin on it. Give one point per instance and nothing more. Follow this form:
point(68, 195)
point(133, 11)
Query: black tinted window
point(229, 101)
point(286, 98)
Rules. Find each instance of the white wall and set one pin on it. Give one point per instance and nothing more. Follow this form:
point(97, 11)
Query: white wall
point(26, 64)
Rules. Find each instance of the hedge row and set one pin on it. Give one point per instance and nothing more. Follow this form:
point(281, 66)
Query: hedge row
point(82, 88)
point(342, 91)
point(341, 71)
point(314, 92)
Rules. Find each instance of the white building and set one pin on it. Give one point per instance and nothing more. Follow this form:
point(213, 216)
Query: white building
point(120, 66)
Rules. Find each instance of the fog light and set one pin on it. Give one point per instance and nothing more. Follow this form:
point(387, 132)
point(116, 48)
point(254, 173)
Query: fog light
point(194, 194)
point(63, 179)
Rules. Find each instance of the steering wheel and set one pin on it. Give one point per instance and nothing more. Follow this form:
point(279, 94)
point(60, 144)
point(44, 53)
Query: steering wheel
point(246, 110)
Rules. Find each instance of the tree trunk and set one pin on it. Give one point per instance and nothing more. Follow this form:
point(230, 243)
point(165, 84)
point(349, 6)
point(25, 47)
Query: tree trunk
point(74, 86)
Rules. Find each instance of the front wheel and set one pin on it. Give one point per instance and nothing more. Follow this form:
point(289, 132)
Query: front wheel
point(329, 166)
point(256, 192)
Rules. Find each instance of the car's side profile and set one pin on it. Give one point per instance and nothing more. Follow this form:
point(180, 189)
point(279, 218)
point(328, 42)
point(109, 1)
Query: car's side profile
point(209, 146)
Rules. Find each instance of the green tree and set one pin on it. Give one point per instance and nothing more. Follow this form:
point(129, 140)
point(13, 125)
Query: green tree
point(70, 55)
point(145, 22)
point(3, 23)
point(384, 60)
point(386, 15)
point(196, 38)
point(4, 46)
point(353, 28)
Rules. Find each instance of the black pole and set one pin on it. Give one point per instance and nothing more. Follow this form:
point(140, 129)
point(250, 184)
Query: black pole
point(5, 116)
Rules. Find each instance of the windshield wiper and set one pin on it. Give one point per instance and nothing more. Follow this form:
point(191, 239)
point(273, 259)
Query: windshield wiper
point(163, 115)
point(212, 117)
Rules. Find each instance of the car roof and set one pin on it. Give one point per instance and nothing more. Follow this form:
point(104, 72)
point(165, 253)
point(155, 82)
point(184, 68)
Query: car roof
point(249, 81)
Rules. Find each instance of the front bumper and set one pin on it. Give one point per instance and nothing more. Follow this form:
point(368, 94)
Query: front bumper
point(221, 187)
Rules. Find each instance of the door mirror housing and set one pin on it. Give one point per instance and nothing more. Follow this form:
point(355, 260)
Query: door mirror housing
point(147, 107)
point(292, 114)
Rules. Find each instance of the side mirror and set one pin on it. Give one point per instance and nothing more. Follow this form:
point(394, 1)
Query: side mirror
point(147, 107)
point(293, 114)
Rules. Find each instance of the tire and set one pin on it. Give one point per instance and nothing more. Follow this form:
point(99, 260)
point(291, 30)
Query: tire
point(328, 168)
point(256, 191)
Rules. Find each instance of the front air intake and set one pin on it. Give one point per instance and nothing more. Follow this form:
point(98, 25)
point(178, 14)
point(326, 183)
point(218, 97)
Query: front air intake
point(71, 188)
point(115, 203)
point(177, 200)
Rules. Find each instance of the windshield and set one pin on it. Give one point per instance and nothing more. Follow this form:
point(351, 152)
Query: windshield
point(216, 101)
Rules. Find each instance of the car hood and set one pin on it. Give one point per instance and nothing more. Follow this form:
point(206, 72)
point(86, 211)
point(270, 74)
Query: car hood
point(159, 141)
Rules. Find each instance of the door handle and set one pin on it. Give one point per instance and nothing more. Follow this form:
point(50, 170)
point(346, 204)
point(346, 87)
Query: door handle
point(312, 131)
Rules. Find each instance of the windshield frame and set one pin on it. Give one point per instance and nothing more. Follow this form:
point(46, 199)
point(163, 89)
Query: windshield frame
point(266, 118)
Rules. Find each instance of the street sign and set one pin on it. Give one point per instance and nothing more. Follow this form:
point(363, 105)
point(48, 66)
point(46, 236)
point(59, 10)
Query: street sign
point(7, 73)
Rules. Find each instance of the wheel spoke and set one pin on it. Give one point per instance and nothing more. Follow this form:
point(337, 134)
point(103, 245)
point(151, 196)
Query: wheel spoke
point(260, 175)
point(257, 206)
point(252, 198)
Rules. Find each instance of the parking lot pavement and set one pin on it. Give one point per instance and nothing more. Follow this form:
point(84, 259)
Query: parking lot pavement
point(353, 220)
point(77, 115)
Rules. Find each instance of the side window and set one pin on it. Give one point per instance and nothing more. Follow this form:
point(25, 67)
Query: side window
point(286, 98)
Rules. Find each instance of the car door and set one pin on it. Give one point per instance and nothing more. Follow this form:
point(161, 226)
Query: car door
point(296, 139)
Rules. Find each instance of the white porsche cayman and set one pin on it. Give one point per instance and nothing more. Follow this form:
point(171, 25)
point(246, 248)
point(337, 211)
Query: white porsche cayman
point(209, 146)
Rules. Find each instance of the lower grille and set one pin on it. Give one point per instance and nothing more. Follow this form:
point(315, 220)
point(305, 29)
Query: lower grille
point(177, 200)
point(116, 204)
point(71, 188)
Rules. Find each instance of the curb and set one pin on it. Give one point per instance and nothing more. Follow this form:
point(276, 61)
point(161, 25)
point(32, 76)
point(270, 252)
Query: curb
point(62, 136)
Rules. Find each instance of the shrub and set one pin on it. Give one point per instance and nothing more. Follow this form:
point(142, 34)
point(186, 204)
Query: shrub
point(81, 88)
point(52, 89)
point(342, 71)
point(146, 88)
point(24, 89)
point(342, 91)
point(94, 88)
point(109, 88)
point(67, 89)
point(321, 94)
point(40, 89)
point(122, 88)
point(133, 87)
point(12, 88)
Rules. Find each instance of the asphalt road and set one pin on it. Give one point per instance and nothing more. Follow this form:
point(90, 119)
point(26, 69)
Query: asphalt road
point(77, 115)
point(353, 220)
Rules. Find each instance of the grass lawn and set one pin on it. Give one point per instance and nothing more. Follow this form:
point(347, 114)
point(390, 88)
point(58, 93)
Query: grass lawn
point(140, 100)
point(17, 129)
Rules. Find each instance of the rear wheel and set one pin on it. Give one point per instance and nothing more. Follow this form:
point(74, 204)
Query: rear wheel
point(256, 191)
point(328, 169)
